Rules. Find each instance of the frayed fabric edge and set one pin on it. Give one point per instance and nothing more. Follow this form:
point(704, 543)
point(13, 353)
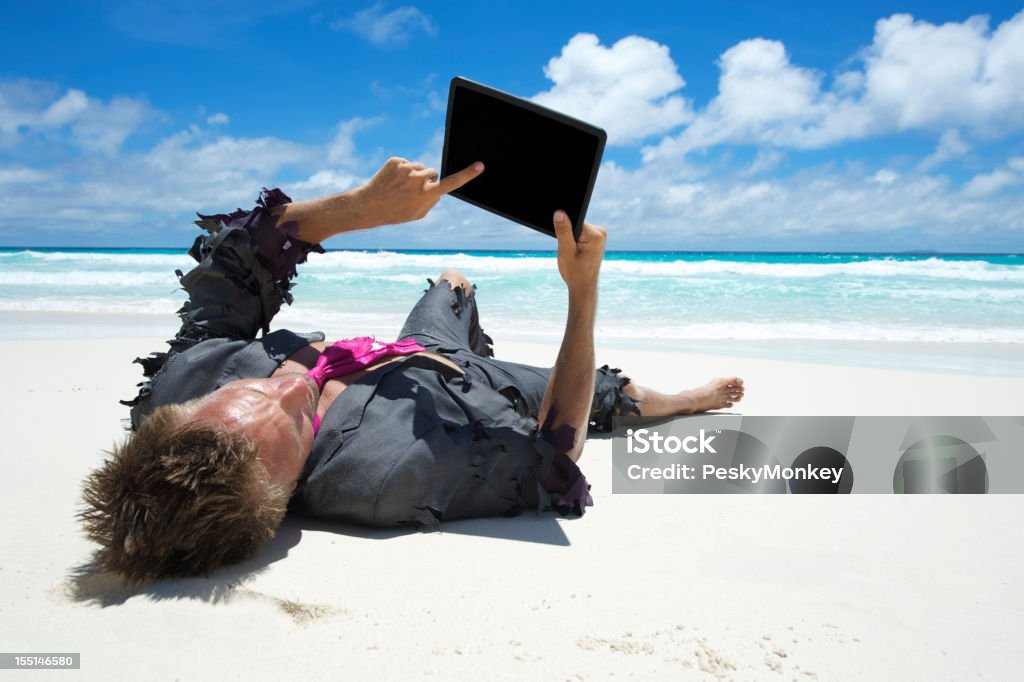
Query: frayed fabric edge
point(561, 485)
point(277, 248)
point(613, 401)
point(480, 341)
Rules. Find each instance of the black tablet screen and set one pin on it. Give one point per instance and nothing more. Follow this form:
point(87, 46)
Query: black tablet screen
point(535, 163)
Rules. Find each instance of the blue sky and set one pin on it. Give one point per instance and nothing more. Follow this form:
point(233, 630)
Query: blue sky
point(732, 125)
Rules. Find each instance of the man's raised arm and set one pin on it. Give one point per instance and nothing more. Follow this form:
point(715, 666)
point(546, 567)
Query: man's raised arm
point(248, 259)
point(401, 191)
point(565, 409)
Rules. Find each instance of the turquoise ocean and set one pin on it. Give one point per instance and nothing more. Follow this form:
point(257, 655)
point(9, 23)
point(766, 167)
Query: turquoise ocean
point(938, 312)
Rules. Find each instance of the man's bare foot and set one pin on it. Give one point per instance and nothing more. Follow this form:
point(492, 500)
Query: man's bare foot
point(714, 395)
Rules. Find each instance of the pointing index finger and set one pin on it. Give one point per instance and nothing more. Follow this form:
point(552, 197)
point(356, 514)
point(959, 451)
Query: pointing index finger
point(457, 180)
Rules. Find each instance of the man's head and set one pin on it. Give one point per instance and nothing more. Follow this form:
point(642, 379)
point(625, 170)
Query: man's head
point(204, 483)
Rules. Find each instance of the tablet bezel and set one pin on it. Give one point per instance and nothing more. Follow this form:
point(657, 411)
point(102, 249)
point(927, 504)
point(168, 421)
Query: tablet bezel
point(512, 100)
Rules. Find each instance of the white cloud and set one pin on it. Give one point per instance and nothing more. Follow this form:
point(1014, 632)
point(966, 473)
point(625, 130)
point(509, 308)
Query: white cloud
point(919, 75)
point(762, 98)
point(94, 125)
point(203, 155)
point(387, 29)
point(218, 119)
point(759, 86)
point(951, 145)
point(72, 105)
point(886, 176)
point(643, 209)
point(914, 76)
point(22, 175)
point(105, 127)
point(628, 89)
point(986, 184)
point(150, 190)
point(766, 160)
point(324, 182)
point(341, 150)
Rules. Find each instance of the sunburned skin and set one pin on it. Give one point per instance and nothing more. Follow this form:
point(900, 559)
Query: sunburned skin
point(276, 412)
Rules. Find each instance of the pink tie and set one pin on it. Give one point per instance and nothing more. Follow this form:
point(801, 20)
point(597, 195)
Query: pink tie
point(351, 355)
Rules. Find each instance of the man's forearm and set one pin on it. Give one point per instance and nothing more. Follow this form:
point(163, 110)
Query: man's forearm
point(565, 409)
point(399, 192)
point(316, 220)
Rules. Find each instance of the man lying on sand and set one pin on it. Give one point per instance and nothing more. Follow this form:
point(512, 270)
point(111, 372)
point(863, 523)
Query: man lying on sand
point(231, 429)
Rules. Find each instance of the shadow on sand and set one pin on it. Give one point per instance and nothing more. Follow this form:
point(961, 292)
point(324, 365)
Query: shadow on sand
point(86, 584)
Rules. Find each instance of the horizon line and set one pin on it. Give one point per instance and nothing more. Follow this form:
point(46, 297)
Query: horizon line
point(904, 252)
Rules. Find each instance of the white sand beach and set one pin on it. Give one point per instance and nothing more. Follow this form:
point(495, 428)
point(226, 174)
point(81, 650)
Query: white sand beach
point(858, 587)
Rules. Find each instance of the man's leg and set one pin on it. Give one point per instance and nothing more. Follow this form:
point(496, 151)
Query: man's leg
point(616, 395)
point(457, 321)
point(716, 394)
point(445, 318)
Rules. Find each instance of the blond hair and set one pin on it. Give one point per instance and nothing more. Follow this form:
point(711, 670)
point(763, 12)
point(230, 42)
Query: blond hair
point(179, 498)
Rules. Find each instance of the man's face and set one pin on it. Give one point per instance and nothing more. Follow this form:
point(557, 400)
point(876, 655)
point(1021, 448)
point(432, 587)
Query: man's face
point(277, 413)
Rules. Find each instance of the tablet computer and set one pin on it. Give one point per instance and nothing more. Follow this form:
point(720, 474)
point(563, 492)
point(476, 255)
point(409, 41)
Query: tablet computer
point(536, 160)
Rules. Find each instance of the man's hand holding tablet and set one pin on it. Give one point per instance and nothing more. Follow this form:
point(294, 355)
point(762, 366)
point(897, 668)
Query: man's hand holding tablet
point(579, 259)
